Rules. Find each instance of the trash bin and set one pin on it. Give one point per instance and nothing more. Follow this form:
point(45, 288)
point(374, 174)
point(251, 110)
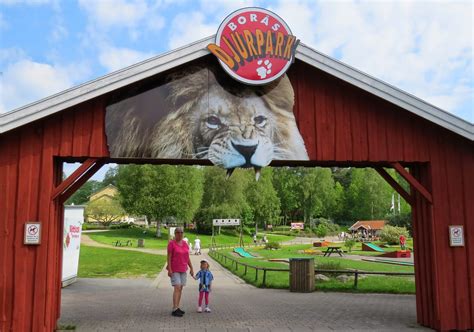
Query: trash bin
point(302, 275)
point(141, 243)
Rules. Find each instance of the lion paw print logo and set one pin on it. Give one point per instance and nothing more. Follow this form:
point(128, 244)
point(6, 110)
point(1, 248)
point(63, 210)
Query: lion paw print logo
point(264, 69)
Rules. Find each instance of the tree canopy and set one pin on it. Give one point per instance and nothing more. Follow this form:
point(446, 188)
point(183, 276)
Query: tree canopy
point(200, 194)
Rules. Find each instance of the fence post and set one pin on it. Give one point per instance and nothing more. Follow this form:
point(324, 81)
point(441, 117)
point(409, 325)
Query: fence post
point(264, 277)
point(356, 278)
point(245, 273)
point(256, 274)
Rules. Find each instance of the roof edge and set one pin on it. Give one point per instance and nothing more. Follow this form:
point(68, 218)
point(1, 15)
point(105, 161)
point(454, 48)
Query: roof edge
point(179, 56)
point(107, 83)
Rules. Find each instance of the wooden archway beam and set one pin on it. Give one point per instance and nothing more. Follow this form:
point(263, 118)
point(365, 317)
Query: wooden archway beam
point(395, 185)
point(74, 181)
point(413, 182)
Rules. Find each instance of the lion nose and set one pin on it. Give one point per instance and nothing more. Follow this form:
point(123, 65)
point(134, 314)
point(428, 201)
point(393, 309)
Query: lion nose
point(246, 151)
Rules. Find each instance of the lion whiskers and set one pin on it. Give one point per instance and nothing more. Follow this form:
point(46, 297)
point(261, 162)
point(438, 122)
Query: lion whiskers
point(199, 155)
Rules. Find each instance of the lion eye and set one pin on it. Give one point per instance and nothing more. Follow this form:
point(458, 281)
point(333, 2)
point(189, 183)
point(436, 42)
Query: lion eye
point(213, 122)
point(260, 120)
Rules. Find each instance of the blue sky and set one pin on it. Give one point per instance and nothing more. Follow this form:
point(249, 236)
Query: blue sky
point(422, 47)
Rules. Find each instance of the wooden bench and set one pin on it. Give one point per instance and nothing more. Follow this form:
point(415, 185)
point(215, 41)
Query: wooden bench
point(121, 243)
point(331, 250)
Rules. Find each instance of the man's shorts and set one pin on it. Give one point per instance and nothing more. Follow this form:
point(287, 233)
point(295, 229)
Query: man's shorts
point(178, 278)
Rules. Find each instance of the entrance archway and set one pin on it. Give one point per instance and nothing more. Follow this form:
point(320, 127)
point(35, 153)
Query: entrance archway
point(345, 118)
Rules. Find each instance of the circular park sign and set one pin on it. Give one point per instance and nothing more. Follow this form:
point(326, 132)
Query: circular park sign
point(254, 45)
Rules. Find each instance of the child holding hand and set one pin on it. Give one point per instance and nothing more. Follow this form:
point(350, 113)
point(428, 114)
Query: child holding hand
point(205, 278)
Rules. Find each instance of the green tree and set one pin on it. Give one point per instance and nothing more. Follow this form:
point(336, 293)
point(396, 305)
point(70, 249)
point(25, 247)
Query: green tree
point(287, 185)
point(160, 191)
point(342, 176)
point(81, 196)
point(368, 195)
point(224, 197)
point(110, 177)
point(263, 199)
point(104, 210)
point(318, 193)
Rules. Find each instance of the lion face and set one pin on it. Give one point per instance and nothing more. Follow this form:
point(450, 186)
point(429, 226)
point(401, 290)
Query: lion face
point(234, 130)
point(208, 116)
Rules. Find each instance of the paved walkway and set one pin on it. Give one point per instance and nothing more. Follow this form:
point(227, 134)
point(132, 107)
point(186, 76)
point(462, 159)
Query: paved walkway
point(144, 305)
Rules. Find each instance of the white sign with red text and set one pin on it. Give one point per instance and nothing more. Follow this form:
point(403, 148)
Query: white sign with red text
point(73, 220)
point(254, 46)
point(297, 225)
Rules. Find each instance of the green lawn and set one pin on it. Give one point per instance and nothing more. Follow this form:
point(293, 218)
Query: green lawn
point(152, 242)
point(370, 284)
point(113, 263)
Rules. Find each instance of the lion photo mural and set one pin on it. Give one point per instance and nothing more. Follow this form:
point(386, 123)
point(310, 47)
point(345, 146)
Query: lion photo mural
point(200, 113)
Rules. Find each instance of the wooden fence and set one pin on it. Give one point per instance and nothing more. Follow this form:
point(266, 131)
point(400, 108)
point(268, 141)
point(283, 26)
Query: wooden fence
point(215, 253)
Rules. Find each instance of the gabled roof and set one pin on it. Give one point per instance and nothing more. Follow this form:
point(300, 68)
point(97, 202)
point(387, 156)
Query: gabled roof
point(161, 63)
point(368, 224)
point(98, 191)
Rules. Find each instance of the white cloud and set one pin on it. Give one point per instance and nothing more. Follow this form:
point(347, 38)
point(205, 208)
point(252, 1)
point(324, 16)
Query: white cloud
point(26, 81)
point(114, 58)
point(299, 15)
point(3, 22)
point(59, 31)
point(203, 22)
point(189, 27)
point(424, 49)
point(109, 13)
point(26, 2)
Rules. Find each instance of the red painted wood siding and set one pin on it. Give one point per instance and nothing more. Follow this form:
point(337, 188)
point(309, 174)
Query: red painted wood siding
point(30, 276)
point(339, 123)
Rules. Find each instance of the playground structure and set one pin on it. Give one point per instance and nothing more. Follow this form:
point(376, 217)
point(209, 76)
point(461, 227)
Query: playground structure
point(397, 254)
point(243, 253)
point(321, 244)
point(368, 246)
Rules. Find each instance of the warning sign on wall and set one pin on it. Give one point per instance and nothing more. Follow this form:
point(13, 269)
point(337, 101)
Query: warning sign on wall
point(456, 236)
point(32, 233)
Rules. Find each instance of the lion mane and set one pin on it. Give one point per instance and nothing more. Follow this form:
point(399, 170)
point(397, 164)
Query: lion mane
point(180, 133)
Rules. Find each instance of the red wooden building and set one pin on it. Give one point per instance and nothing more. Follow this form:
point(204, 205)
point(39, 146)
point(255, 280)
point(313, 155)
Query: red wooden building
point(346, 118)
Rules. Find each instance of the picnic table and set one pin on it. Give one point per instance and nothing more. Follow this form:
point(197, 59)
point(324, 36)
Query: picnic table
point(331, 250)
point(122, 243)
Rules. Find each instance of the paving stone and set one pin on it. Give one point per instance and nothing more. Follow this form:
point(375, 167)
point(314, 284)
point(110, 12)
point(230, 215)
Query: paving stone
point(145, 305)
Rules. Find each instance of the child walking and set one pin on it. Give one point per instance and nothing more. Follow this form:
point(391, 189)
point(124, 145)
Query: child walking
point(205, 281)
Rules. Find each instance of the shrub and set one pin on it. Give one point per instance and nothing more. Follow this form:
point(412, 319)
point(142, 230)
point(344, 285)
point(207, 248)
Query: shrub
point(272, 245)
point(401, 220)
point(331, 227)
point(349, 244)
point(247, 230)
point(321, 230)
point(391, 234)
point(121, 226)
